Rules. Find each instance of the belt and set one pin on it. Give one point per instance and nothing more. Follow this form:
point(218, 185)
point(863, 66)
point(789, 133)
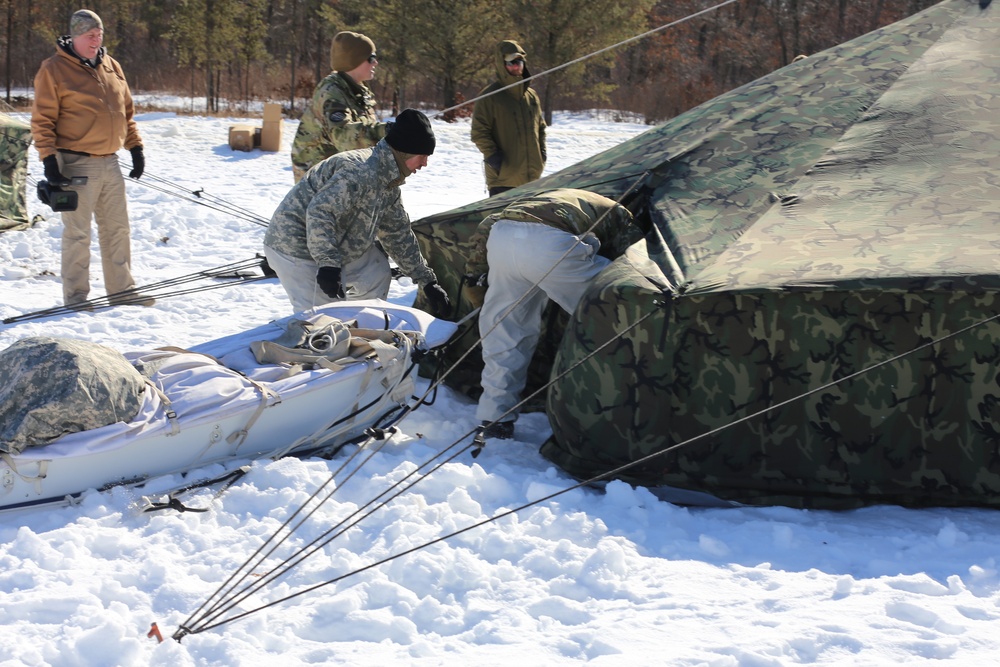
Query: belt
point(66, 150)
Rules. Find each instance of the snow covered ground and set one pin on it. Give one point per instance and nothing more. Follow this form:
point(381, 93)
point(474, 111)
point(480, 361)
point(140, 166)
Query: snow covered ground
point(606, 578)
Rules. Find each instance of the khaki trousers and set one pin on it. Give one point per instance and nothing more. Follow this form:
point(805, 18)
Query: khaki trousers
point(103, 200)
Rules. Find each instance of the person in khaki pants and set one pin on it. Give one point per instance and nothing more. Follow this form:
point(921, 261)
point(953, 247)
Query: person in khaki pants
point(82, 115)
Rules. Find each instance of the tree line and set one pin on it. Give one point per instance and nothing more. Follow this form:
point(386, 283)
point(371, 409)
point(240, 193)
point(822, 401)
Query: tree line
point(435, 53)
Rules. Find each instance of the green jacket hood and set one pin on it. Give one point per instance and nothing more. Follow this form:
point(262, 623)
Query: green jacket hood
point(504, 48)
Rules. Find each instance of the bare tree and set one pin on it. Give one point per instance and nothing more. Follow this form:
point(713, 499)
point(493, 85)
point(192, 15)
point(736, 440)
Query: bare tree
point(557, 32)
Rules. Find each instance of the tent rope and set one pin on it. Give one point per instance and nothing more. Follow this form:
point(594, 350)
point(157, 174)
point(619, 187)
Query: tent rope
point(199, 196)
point(259, 579)
point(188, 627)
point(593, 54)
point(232, 272)
point(373, 505)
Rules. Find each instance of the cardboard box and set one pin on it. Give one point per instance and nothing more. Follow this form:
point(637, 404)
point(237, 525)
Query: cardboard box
point(272, 112)
point(241, 137)
point(270, 136)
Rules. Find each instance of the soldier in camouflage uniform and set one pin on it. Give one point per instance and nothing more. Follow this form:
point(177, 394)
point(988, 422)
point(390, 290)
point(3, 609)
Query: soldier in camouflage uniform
point(321, 241)
point(341, 115)
point(538, 248)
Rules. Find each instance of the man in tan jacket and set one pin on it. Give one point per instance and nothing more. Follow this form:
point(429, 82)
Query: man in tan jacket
point(81, 117)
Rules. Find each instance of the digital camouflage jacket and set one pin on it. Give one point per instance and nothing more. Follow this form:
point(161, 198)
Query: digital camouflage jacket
point(336, 212)
point(340, 117)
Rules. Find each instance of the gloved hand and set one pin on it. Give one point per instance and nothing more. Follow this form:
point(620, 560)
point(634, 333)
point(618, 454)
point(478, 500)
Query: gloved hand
point(477, 279)
point(328, 279)
point(138, 162)
point(52, 173)
point(474, 289)
point(440, 303)
point(495, 161)
point(545, 154)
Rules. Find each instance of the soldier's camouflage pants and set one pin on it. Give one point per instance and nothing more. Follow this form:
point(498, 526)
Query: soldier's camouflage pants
point(519, 255)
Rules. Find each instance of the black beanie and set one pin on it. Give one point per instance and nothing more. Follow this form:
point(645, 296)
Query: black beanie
point(411, 133)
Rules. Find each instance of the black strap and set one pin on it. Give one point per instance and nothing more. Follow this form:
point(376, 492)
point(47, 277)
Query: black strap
point(174, 504)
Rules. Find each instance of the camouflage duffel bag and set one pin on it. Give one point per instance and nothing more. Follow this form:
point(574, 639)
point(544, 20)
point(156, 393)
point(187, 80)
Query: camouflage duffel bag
point(53, 386)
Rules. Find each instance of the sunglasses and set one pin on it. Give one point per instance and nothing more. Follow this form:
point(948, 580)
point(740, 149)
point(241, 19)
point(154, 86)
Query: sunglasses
point(515, 62)
point(373, 59)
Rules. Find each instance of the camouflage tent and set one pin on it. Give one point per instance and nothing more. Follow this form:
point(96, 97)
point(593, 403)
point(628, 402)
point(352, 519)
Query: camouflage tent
point(15, 138)
point(809, 320)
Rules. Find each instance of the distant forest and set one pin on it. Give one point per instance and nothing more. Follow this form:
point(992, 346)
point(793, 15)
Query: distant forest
point(433, 53)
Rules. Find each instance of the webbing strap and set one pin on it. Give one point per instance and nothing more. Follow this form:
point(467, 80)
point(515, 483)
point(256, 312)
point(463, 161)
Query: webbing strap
point(43, 469)
point(265, 394)
point(175, 427)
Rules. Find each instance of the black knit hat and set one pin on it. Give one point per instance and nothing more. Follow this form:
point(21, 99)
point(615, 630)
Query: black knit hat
point(411, 133)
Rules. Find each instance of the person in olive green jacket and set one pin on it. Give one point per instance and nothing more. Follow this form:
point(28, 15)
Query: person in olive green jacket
point(341, 116)
point(507, 126)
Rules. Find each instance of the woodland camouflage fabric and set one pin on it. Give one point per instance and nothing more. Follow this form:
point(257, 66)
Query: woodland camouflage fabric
point(53, 386)
point(340, 117)
point(577, 212)
point(15, 138)
point(835, 221)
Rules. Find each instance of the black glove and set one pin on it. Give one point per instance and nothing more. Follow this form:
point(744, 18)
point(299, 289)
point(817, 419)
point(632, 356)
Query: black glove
point(52, 173)
point(138, 162)
point(328, 279)
point(495, 161)
point(440, 303)
point(545, 155)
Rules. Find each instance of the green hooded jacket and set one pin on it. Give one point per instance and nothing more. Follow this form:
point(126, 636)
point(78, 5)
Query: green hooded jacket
point(510, 122)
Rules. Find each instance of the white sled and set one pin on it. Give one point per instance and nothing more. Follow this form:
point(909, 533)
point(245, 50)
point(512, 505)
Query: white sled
point(203, 412)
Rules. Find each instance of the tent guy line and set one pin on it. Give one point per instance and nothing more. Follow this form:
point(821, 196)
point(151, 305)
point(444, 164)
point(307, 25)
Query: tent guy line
point(593, 54)
point(211, 615)
point(262, 580)
point(233, 272)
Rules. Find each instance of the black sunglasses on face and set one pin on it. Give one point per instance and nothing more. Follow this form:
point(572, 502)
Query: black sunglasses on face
point(373, 59)
point(516, 61)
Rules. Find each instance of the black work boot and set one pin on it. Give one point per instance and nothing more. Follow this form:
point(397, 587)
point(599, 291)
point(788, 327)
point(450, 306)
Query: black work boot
point(498, 430)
